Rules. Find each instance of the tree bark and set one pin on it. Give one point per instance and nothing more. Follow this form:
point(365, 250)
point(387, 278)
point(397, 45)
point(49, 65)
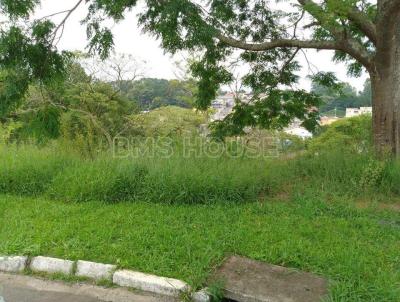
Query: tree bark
point(385, 80)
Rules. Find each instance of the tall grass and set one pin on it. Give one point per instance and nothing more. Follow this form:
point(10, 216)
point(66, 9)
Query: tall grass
point(28, 170)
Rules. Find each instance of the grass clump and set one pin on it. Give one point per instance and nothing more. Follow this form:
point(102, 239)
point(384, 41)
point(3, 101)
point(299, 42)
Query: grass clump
point(103, 179)
point(205, 180)
point(28, 170)
point(172, 180)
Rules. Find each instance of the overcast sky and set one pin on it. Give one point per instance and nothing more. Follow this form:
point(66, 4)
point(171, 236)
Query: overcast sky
point(129, 39)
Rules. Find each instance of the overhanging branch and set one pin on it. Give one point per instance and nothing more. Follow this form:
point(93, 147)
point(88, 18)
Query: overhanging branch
point(346, 43)
point(332, 45)
point(363, 23)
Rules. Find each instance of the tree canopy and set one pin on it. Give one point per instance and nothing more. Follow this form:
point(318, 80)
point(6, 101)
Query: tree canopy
point(152, 93)
point(267, 36)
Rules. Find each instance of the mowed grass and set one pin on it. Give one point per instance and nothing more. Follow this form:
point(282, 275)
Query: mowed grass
point(357, 249)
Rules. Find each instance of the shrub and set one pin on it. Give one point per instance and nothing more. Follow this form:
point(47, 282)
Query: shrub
point(349, 134)
point(169, 121)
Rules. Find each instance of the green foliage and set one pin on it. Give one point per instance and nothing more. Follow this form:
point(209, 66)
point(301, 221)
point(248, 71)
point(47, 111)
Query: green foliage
point(13, 86)
point(274, 111)
point(183, 25)
point(327, 80)
point(86, 113)
point(349, 134)
point(169, 121)
point(27, 58)
point(20, 8)
point(153, 93)
point(40, 126)
point(372, 174)
point(345, 97)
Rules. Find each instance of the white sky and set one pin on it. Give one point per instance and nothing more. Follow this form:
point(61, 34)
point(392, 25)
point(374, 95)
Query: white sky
point(129, 39)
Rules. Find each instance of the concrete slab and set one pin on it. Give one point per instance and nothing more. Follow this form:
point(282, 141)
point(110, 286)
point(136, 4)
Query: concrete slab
point(96, 271)
point(16, 288)
point(246, 280)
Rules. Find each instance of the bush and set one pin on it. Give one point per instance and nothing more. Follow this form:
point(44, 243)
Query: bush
point(349, 134)
point(191, 178)
point(169, 121)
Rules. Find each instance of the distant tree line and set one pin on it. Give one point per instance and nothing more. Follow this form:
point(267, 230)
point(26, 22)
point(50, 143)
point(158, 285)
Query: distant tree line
point(336, 101)
point(150, 93)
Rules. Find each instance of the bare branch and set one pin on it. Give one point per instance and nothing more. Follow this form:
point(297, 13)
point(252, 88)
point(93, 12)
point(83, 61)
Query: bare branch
point(54, 14)
point(62, 24)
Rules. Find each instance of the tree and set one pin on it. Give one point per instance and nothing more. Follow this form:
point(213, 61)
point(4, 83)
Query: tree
point(268, 39)
point(87, 112)
point(118, 69)
point(153, 93)
point(346, 97)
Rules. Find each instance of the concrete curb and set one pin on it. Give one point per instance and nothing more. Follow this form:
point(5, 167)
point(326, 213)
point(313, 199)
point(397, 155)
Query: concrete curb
point(99, 271)
point(93, 270)
point(150, 283)
point(51, 265)
point(13, 264)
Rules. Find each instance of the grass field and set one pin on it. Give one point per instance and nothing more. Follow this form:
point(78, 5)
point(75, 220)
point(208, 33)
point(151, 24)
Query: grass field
point(357, 249)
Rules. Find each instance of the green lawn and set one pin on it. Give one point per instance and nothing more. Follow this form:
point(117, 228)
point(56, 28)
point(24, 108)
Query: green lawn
point(357, 249)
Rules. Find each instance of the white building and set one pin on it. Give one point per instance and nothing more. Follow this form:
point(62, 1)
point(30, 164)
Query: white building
point(350, 112)
point(300, 132)
point(296, 129)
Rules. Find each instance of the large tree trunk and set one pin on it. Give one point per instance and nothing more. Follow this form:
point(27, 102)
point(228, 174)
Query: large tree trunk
point(386, 121)
point(385, 80)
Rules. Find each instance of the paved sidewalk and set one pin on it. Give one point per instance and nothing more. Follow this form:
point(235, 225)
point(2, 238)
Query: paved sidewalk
point(18, 288)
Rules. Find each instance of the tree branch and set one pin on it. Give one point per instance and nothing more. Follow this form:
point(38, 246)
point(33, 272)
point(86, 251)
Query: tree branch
point(62, 24)
point(345, 42)
point(333, 45)
point(363, 23)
